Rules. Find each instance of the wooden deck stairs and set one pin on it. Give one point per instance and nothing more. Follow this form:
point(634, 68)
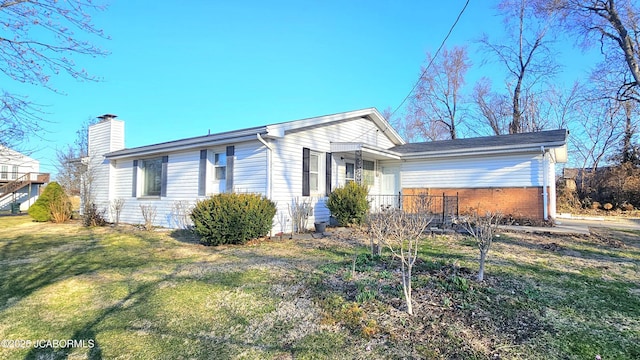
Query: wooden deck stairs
point(23, 181)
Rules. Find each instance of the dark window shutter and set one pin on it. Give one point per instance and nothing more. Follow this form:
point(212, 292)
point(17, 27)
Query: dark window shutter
point(163, 184)
point(134, 186)
point(328, 175)
point(306, 154)
point(202, 174)
point(231, 151)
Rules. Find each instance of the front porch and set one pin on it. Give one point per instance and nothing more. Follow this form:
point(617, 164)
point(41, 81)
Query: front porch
point(443, 208)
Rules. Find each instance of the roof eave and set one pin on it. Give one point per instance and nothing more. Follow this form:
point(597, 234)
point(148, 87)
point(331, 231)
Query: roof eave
point(280, 129)
point(188, 144)
point(529, 148)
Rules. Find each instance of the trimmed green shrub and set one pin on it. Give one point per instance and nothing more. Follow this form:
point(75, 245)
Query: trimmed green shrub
point(233, 218)
point(52, 205)
point(349, 204)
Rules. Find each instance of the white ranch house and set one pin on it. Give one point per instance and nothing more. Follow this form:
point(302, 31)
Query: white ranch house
point(306, 159)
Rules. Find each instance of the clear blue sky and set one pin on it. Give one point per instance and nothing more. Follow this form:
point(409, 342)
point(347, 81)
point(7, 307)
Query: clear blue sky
point(181, 68)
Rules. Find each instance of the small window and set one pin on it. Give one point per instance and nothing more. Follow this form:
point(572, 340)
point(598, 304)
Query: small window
point(314, 167)
point(220, 165)
point(152, 174)
point(368, 172)
point(350, 174)
point(4, 174)
point(14, 172)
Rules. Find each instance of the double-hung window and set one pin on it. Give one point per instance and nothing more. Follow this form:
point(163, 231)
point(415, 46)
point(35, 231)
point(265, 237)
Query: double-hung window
point(350, 173)
point(4, 174)
point(152, 175)
point(14, 172)
point(220, 165)
point(368, 172)
point(314, 172)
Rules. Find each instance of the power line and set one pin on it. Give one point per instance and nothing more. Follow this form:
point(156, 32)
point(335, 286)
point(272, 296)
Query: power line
point(432, 59)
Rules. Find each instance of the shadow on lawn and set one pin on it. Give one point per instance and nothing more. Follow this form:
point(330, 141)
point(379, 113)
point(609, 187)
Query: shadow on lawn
point(563, 247)
point(68, 264)
point(612, 295)
point(26, 271)
point(33, 262)
point(89, 332)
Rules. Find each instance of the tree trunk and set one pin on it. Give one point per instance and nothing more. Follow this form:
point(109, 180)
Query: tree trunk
point(483, 256)
point(406, 287)
point(516, 123)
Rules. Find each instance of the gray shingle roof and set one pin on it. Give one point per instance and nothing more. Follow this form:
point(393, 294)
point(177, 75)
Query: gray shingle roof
point(486, 142)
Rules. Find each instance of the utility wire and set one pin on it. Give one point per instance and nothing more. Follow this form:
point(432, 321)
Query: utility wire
point(432, 59)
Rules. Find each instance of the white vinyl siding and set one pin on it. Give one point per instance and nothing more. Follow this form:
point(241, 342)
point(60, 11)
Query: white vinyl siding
point(182, 181)
point(104, 137)
point(287, 162)
point(474, 172)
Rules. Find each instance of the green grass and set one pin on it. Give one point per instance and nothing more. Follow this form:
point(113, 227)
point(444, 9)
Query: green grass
point(142, 295)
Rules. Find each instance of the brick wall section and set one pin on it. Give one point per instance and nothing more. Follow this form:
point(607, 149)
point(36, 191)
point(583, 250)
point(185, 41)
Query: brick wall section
point(522, 202)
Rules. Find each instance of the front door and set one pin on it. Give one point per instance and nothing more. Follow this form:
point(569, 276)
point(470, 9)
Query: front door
point(390, 187)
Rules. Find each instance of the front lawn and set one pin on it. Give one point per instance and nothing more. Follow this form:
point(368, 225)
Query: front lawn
point(127, 293)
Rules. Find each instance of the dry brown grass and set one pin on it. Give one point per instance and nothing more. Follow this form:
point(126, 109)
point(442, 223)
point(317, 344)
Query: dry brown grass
point(161, 294)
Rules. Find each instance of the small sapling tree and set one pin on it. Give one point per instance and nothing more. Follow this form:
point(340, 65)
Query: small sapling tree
point(116, 207)
point(401, 233)
point(483, 229)
point(149, 215)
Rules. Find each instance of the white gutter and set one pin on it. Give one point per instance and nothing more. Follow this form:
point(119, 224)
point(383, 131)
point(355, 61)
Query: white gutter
point(180, 145)
point(269, 160)
point(545, 183)
point(480, 150)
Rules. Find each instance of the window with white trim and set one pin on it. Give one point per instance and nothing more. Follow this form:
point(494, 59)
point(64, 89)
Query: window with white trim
point(4, 174)
point(14, 172)
point(220, 166)
point(314, 172)
point(368, 172)
point(350, 172)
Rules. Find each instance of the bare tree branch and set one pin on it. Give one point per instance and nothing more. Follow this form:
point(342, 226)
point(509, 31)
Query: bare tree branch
point(39, 39)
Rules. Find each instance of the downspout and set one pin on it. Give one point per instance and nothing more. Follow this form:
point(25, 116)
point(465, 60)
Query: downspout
point(545, 184)
point(269, 160)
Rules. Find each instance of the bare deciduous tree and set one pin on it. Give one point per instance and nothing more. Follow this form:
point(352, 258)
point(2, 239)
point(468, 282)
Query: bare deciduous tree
point(493, 108)
point(436, 107)
point(615, 25)
point(525, 54)
point(39, 40)
point(71, 164)
point(483, 229)
point(402, 234)
point(595, 131)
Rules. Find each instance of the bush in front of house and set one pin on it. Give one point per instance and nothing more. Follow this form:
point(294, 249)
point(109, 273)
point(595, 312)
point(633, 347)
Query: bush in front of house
point(233, 218)
point(52, 205)
point(349, 204)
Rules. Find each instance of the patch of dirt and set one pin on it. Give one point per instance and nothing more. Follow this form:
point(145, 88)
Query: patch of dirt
point(552, 247)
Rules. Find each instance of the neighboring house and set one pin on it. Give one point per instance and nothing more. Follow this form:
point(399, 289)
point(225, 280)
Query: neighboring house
point(20, 180)
point(305, 160)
